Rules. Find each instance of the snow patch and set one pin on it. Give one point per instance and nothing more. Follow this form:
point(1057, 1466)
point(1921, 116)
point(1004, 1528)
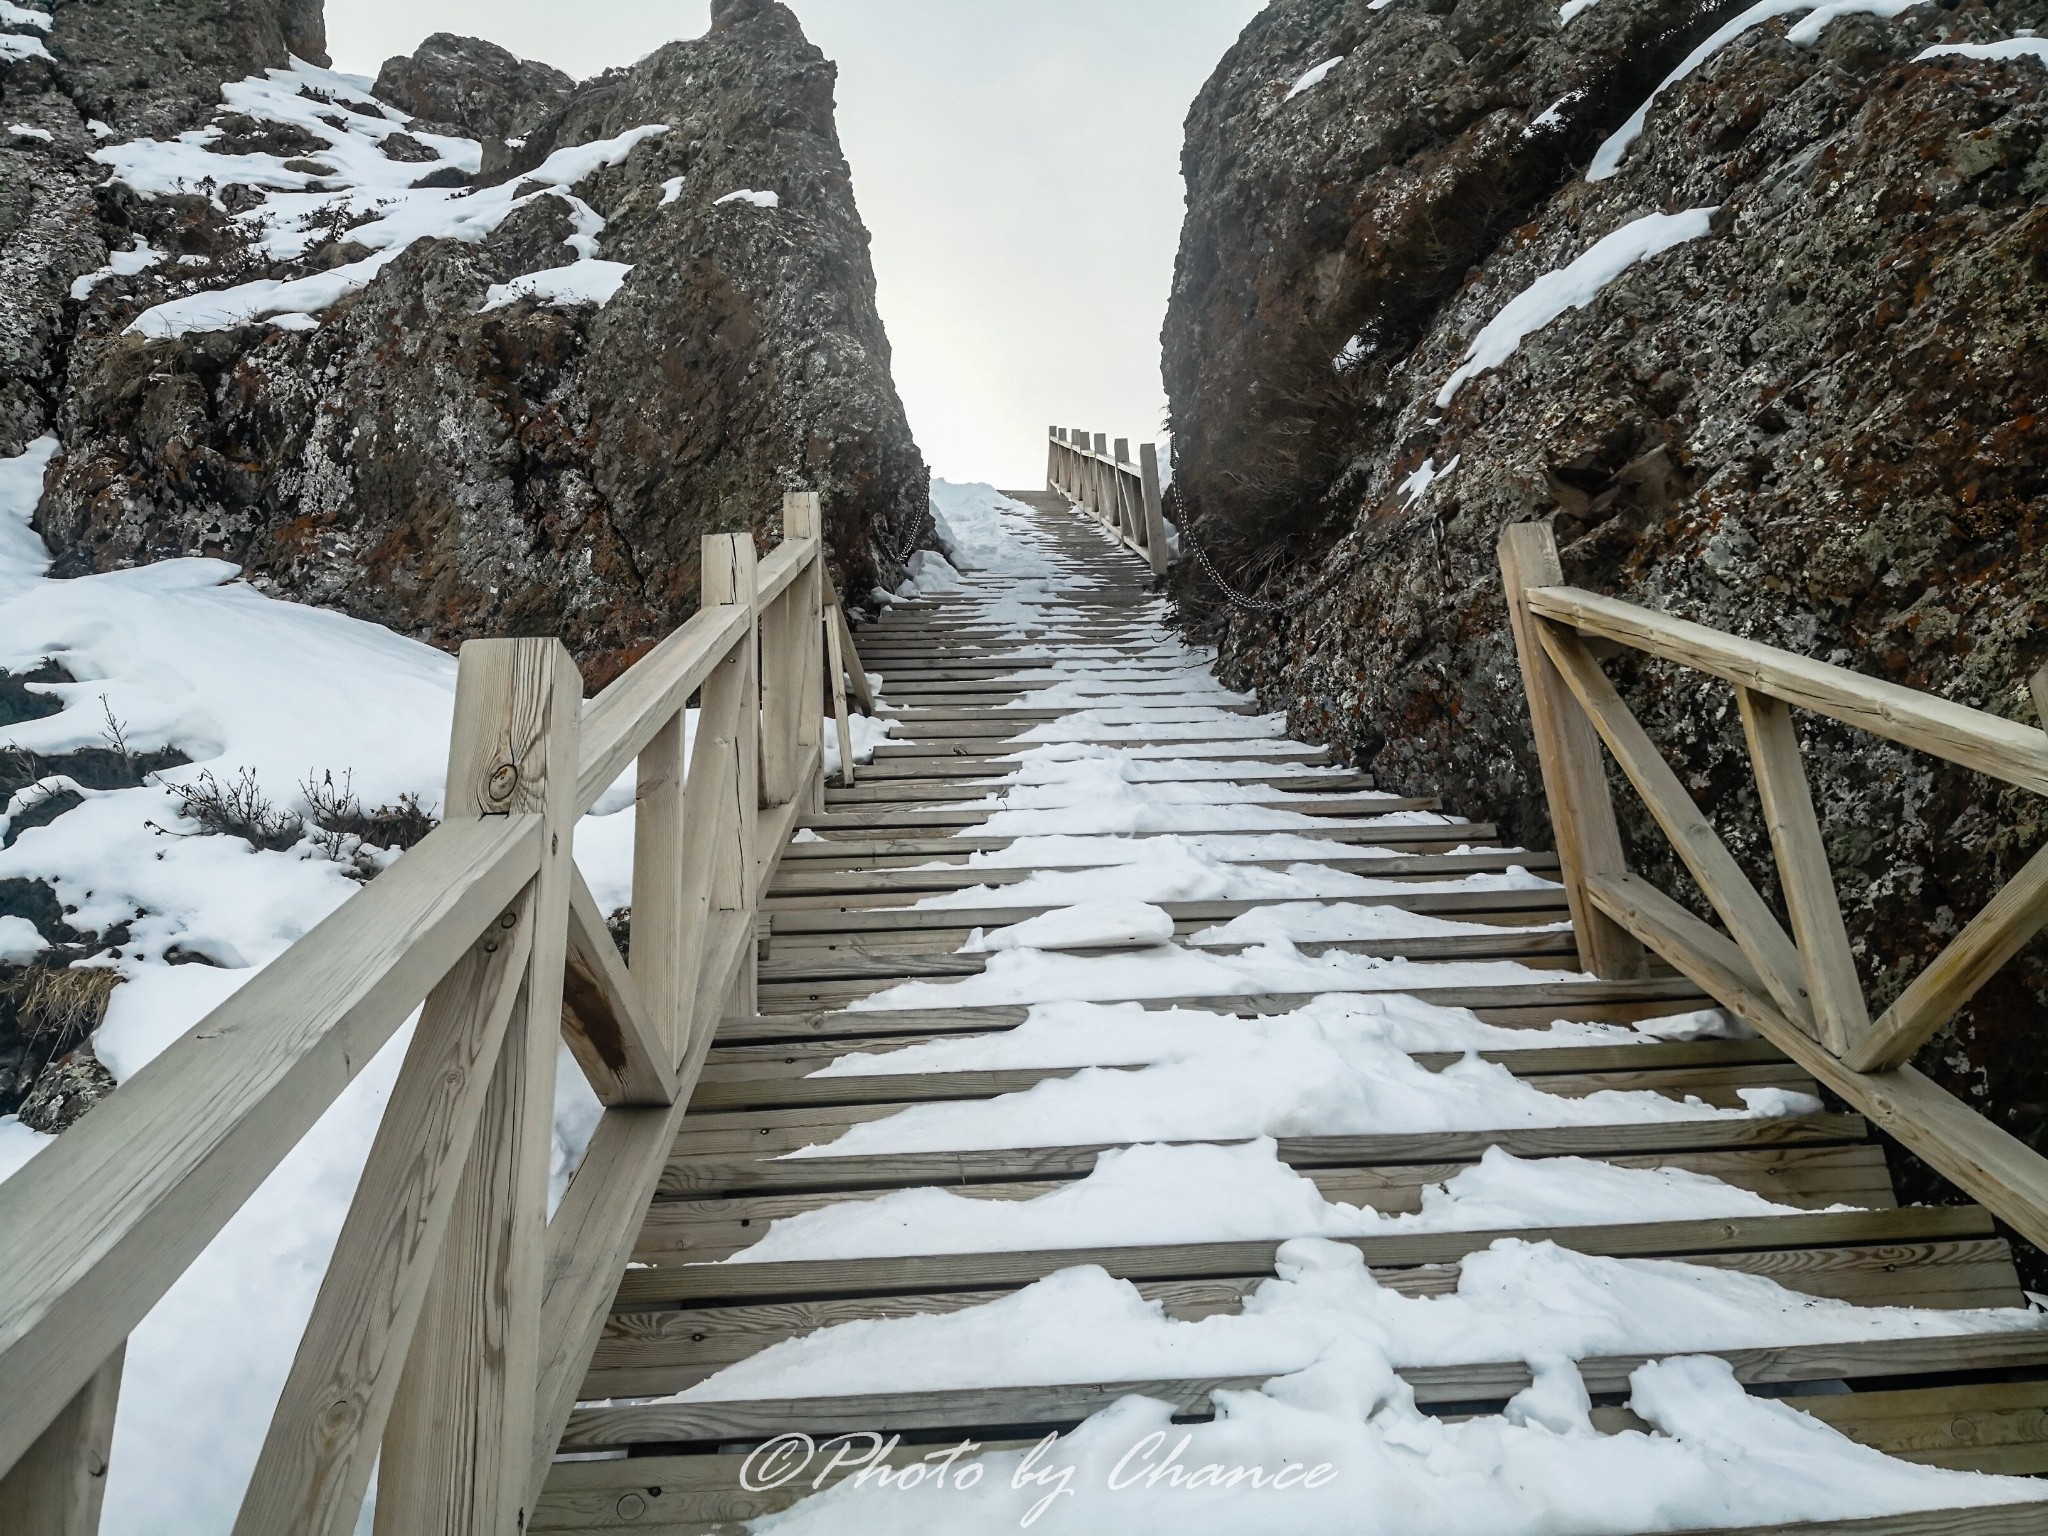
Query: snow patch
point(2020, 47)
point(1085, 925)
point(1573, 287)
point(1417, 485)
point(19, 944)
point(754, 199)
point(1204, 1193)
point(12, 15)
point(25, 131)
point(1313, 78)
point(14, 48)
point(581, 282)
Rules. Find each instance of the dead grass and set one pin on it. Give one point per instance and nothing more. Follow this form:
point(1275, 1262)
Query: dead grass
point(62, 1005)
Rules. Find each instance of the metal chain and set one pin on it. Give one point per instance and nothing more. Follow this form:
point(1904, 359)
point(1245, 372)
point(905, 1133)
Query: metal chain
point(918, 528)
point(1242, 600)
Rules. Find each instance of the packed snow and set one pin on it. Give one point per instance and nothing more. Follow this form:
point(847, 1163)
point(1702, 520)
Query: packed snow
point(1207, 1193)
point(752, 198)
point(1341, 1446)
point(14, 48)
point(1607, 159)
point(1326, 1083)
point(1417, 485)
point(1084, 925)
point(12, 15)
point(2021, 47)
point(1573, 287)
point(1312, 78)
point(1515, 1300)
point(1070, 1034)
point(139, 257)
point(583, 282)
point(361, 182)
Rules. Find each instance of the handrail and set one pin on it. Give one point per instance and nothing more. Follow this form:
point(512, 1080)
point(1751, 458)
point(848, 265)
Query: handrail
point(1122, 496)
point(1799, 989)
point(441, 1310)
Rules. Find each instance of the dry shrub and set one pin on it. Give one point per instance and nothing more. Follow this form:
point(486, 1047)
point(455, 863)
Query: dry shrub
point(236, 809)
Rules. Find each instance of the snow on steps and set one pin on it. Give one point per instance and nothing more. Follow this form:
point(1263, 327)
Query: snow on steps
point(927, 1190)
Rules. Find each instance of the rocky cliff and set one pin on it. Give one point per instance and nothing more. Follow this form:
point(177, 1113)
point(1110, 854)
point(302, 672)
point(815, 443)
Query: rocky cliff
point(480, 351)
point(1796, 392)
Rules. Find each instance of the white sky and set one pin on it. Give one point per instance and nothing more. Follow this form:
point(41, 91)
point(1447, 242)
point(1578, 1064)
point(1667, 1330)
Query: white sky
point(1018, 162)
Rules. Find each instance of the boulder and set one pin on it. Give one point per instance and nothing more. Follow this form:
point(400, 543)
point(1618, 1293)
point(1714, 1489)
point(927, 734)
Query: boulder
point(1812, 421)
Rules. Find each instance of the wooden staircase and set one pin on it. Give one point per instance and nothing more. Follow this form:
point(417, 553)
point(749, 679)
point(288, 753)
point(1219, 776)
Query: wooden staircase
point(839, 927)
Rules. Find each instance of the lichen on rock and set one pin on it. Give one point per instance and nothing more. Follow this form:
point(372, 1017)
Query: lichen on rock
point(1819, 424)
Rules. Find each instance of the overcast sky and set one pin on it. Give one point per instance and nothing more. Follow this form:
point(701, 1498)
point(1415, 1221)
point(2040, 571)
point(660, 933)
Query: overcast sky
point(1018, 162)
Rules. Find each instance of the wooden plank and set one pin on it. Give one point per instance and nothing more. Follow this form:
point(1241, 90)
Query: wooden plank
point(772, 1077)
point(697, 1495)
point(687, 1177)
point(457, 1440)
point(1581, 809)
point(1524, 906)
point(1749, 918)
point(1337, 806)
point(817, 967)
point(659, 916)
point(609, 1028)
point(2004, 749)
point(706, 1230)
point(713, 876)
point(1435, 866)
point(772, 1132)
point(835, 669)
point(621, 721)
point(656, 1352)
point(1535, 999)
point(1991, 938)
point(1154, 508)
point(1825, 959)
point(1491, 1382)
point(937, 849)
point(101, 1223)
point(1984, 1160)
point(56, 1488)
point(323, 1438)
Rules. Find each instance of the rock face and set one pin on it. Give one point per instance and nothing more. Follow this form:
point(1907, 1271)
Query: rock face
point(410, 434)
point(465, 86)
point(1817, 422)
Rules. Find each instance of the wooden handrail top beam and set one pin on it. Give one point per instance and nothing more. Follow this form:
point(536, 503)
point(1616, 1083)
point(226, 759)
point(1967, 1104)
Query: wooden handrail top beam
point(620, 722)
point(105, 1220)
point(2004, 749)
point(791, 559)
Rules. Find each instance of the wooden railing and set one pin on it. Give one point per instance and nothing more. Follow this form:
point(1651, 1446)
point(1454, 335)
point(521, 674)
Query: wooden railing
point(1122, 496)
point(456, 1320)
point(1798, 989)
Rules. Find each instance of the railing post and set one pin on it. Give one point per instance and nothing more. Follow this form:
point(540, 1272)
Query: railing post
point(1574, 773)
point(456, 1447)
point(659, 830)
point(803, 516)
point(56, 1489)
point(1155, 508)
point(734, 690)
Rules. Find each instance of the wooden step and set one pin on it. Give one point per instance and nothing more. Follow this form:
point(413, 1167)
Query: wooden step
point(705, 1495)
point(767, 1076)
point(806, 881)
point(882, 816)
point(772, 1132)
